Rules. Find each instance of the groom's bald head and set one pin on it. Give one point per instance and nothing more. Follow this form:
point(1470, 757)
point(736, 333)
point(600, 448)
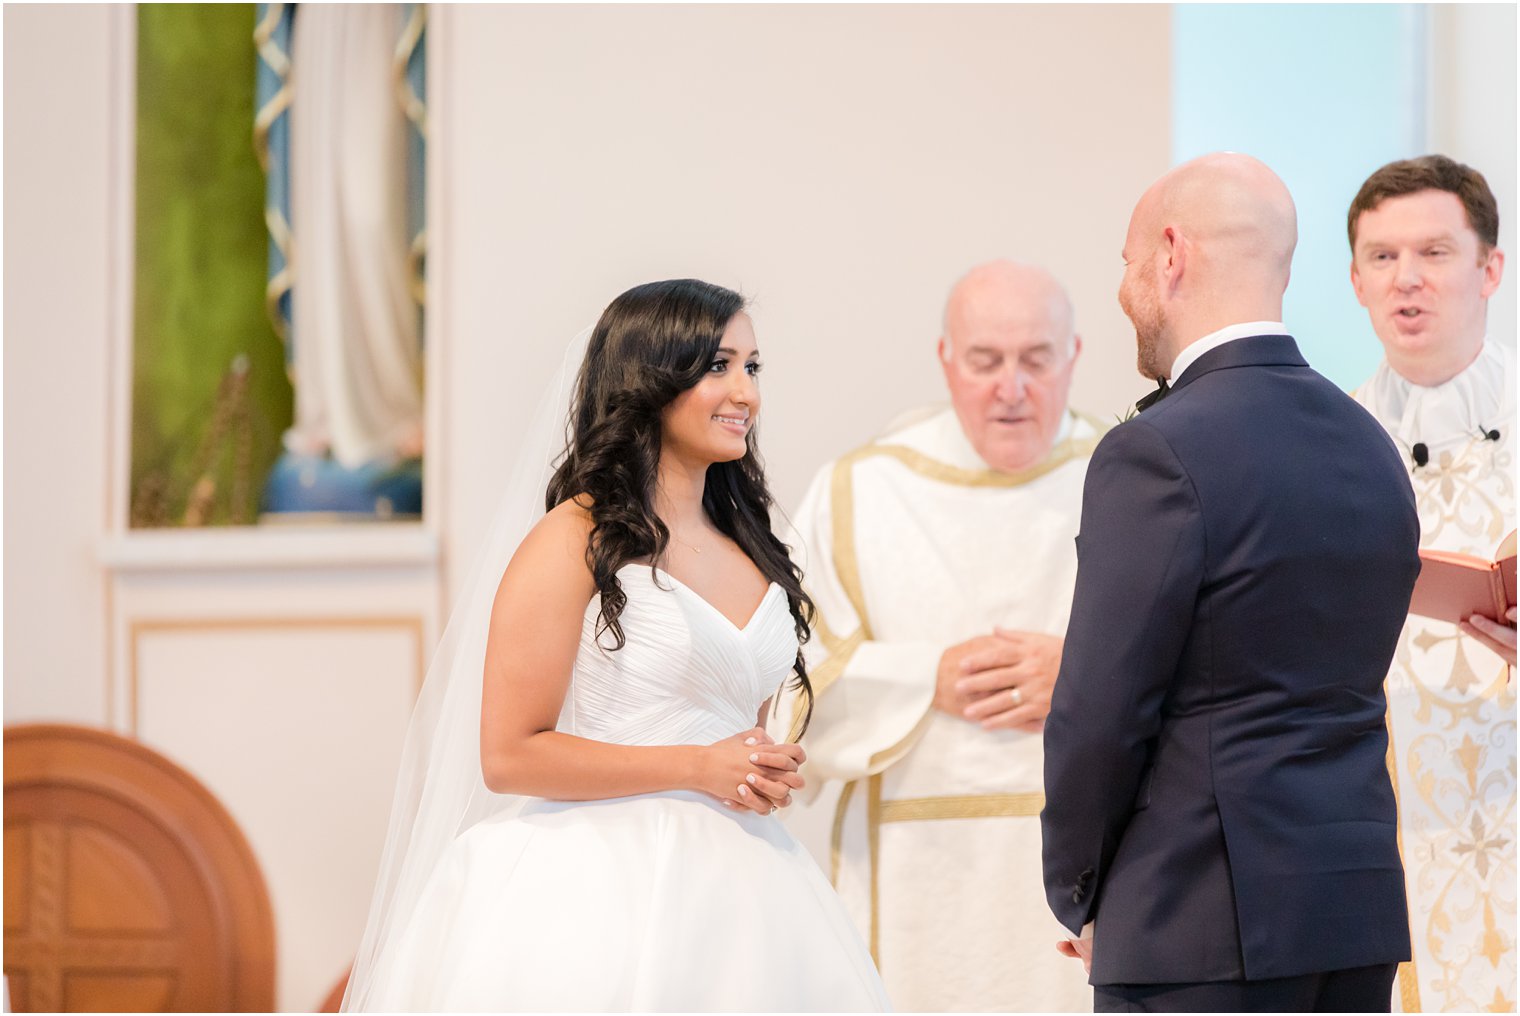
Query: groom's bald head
point(1209, 244)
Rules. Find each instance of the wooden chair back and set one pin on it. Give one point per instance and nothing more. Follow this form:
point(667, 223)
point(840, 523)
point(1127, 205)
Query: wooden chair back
point(128, 887)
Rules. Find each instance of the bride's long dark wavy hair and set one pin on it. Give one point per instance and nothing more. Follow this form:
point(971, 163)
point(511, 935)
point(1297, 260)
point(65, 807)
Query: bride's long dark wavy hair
point(651, 344)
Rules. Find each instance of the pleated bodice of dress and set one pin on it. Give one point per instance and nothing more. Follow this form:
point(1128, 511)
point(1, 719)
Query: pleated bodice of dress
point(685, 674)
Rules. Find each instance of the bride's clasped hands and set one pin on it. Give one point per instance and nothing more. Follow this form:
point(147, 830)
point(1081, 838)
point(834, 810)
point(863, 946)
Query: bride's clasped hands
point(750, 770)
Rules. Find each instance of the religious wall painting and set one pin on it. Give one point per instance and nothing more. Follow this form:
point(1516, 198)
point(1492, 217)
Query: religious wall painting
point(280, 264)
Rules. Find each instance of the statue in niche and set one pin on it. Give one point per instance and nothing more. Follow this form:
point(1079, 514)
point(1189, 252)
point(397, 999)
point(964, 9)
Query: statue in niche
point(340, 130)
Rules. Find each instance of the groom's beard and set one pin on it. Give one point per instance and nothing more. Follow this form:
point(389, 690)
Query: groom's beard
point(1148, 342)
point(1148, 359)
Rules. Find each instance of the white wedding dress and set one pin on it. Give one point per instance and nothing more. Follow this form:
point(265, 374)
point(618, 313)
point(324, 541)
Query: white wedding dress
point(663, 902)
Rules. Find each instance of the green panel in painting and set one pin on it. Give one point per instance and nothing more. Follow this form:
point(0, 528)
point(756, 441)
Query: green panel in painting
point(201, 256)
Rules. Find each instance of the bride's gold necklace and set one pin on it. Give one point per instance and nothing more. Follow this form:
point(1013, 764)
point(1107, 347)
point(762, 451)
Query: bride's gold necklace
point(694, 548)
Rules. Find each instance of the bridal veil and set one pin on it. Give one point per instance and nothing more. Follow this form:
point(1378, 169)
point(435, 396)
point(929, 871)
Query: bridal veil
point(440, 791)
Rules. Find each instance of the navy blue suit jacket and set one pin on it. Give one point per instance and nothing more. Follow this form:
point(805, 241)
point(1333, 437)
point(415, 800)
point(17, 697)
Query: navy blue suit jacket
point(1217, 789)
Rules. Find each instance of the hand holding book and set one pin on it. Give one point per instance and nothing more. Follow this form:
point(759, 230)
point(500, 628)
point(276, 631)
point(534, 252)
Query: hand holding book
point(1473, 592)
point(1497, 635)
point(1453, 587)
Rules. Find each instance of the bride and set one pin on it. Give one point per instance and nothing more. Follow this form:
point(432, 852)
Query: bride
point(583, 818)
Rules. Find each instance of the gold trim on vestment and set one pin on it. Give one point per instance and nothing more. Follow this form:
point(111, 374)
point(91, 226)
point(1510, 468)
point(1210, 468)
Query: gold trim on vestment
point(1071, 448)
point(829, 670)
point(873, 847)
point(821, 627)
point(1409, 980)
point(931, 809)
point(880, 760)
point(827, 673)
point(913, 809)
point(1452, 761)
point(842, 505)
point(847, 566)
point(836, 839)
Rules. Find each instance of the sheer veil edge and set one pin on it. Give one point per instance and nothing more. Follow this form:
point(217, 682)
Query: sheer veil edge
point(439, 788)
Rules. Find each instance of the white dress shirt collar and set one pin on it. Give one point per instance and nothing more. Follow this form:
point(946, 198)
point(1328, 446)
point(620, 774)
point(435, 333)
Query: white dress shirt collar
point(1213, 340)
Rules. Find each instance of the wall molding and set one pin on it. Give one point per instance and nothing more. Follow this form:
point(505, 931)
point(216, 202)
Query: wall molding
point(137, 629)
point(261, 548)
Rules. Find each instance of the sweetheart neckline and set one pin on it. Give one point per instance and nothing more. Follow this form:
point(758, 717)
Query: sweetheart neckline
point(741, 629)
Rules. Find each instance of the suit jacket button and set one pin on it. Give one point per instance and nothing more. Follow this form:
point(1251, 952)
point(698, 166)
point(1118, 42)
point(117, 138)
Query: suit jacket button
point(1076, 897)
point(1086, 876)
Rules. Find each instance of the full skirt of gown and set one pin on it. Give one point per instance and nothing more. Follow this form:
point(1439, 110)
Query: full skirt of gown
point(659, 902)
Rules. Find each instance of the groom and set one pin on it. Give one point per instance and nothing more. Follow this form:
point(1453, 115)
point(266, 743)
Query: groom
point(1220, 828)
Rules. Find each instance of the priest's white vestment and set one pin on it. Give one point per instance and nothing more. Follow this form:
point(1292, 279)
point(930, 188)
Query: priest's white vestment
point(910, 545)
point(1451, 703)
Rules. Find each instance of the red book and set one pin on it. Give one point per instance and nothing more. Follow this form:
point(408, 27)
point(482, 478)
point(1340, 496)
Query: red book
point(1453, 587)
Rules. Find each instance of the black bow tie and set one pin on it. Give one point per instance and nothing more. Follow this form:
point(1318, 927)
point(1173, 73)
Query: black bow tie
point(1161, 392)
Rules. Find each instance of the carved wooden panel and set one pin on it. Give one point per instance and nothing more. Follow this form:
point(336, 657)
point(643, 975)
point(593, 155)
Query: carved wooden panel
point(128, 887)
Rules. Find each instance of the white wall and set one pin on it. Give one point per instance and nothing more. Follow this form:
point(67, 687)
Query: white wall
point(842, 165)
point(1473, 117)
point(58, 278)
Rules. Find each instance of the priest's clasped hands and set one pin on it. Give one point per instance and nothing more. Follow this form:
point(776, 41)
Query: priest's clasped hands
point(1001, 681)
